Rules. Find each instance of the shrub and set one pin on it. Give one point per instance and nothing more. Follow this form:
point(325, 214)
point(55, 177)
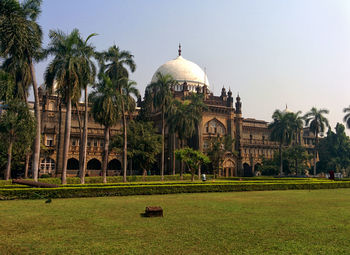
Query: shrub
point(140, 189)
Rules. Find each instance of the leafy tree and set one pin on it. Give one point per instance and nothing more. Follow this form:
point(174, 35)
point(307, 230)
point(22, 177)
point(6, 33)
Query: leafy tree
point(20, 40)
point(19, 126)
point(296, 156)
point(115, 64)
point(317, 122)
point(160, 91)
point(282, 131)
point(192, 158)
point(68, 69)
point(143, 142)
point(334, 150)
point(105, 110)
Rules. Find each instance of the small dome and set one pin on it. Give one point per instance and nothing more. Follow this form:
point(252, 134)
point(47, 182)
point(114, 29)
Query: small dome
point(183, 70)
point(287, 110)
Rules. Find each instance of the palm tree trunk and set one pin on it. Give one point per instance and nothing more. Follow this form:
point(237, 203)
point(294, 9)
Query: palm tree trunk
point(281, 160)
point(125, 149)
point(182, 164)
point(26, 168)
point(163, 149)
point(67, 138)
point(173, 153)
point(199, 172)
point(36, 151)
point(82, 166)
point(59, 142)
point(315, 153)
point(105, 155)
point(9, 159)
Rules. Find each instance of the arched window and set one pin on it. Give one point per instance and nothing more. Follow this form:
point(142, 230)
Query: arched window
point(214, 127)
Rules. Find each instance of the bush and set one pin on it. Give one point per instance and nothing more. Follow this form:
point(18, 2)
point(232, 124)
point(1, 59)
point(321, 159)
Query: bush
point(140, 189)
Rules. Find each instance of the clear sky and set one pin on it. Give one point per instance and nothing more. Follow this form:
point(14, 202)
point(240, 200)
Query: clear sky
point(273, 52)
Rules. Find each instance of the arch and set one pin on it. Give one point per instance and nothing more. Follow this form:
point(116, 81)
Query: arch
point(72, 164)
point(247, 169)
point(114, 164)
point(94, 164)
point(229, 167)
point(214, 126)
point(47, 165)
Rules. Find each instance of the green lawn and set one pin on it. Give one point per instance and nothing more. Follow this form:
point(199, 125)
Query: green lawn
point(267, 222)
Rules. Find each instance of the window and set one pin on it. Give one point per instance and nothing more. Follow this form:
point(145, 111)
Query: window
point(74, 142)
point(49, 140)
point(214, 127)
point(89, 143)
point(102, 143)
point(95, 143)
point(47, 165)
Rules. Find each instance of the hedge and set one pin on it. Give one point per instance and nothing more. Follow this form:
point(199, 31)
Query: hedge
point(112, 179)
point(126, 190)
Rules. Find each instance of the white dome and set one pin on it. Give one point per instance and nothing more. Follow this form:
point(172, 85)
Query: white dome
point(183, 70)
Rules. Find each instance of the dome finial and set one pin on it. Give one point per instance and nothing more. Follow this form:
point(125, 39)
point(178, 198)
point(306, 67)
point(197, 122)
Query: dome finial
point(179, 49)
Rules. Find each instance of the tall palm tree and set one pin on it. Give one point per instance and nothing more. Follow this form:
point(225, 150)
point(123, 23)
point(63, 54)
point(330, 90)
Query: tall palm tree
point(347, 116)
point(281, 131)
point(89, 73)
point(162, 96)
point(317, 122)
point(66, 69)
point(105, 109)
point(128, 91)
point(115, 63)
point(297, 123)
point(184, 118)
point(21, 38)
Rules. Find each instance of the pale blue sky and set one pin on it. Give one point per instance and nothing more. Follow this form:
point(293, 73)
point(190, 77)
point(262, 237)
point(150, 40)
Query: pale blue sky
point(273, 52)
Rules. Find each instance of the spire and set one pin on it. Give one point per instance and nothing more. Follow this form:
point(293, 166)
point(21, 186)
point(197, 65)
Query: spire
point(179, 49)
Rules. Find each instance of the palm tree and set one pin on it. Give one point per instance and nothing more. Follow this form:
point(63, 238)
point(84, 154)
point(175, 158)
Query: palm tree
point(318, 122)
point(115, 64)
point(128, 91)
point(89, 73)
point(347, 116)
point(66, 69)
point(162, 96)
point(281, 131)
point(184, 118)
point(21, 38)
point(297, 125)
point(105, 109)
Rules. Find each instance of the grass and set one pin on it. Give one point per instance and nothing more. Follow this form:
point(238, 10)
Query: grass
point(268, 222)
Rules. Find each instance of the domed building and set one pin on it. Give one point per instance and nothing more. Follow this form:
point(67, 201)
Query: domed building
point(223, 117)
point(184, 72)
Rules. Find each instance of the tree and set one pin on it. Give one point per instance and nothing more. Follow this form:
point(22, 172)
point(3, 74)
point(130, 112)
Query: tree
point(18, 125)
point(68, 70)
point(334, 150)
point(296, 156)
point(317, 122)
point(160, 91)
point(21, 38)
point(143, 142)
point(183, 118)
point(115, 64)
point(192, 158)
point(105, 110)
point(89, 73)
point(282, 131)
point(347, 116)
point(297, 123)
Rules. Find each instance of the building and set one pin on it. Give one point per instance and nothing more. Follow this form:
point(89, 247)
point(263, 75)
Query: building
point(223, 117)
